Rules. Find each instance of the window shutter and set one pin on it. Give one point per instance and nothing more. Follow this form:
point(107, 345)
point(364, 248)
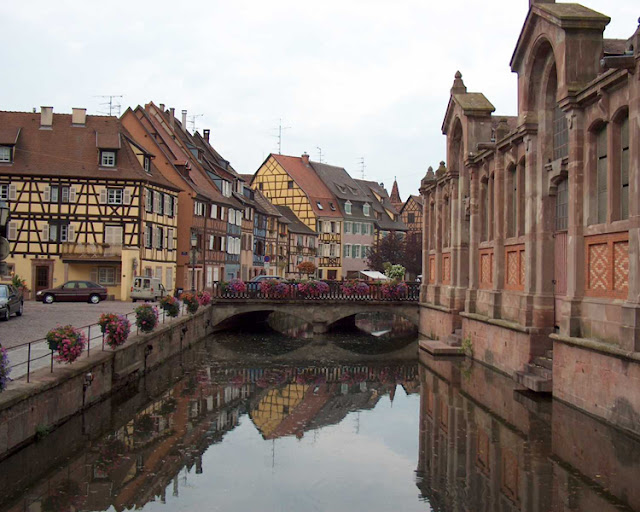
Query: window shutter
point(153, 236)
point(222, 244)
point(126, 196)
point(94, 274)
point(45, 233)
point(12, 193)
point(211, 242)
point(70, 233)
point(103, 196)
point(47, 194)
point(167, 204)
point(73, 196)
point(12, 229)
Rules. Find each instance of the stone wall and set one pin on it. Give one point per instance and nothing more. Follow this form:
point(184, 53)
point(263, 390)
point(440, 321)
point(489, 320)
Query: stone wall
point(52, 398)
point(436, 323)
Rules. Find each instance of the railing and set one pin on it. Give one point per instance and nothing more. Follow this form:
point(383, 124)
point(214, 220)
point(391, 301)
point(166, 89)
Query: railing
point(290, 291)
point(34, 355)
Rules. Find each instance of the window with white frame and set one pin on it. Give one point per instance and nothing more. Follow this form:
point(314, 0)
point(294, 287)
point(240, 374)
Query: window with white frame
point(147, 236)
point(366, 209)
point(5, 154)
point(332, 250)
point(114, 196)
point(365, 251)
point(347, 207)
point(347, 227)
point(113, 235)
point(108, 158)
point(356, 228)
point(347, 251)
point(356, 251)
point(159, 237)
point(106, 275)
point(148, 200)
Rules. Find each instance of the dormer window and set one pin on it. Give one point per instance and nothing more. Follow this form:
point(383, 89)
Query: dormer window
point(147, 164)
point(6, 154)
point(347, 207)
point(107, 159)
point(366, 209)
point(331, 205)
point(319, 205)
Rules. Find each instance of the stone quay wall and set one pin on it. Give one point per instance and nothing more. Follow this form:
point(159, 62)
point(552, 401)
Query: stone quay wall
point(52, 398)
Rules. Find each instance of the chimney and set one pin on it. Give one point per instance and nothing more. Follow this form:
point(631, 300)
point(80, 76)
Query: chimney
point(46, 117)
point(162, 106)
point(172, 115)
point(305, 159)
point(78, 116)
point(184, 120)
point(205, 134)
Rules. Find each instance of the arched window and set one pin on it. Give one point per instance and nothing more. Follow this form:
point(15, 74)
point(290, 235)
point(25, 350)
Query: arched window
point(560, 134)
point(624, 168)
point(601, 174)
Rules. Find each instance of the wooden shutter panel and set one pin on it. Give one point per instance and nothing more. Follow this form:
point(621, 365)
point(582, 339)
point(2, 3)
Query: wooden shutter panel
point(45, 233)
point(103, 196)
point(223, 244)
point(12, 192)
point(73, 196)
point(167, 204)
point(47, 194)
point(126, 196)
point(70, 233)
point(12, 229)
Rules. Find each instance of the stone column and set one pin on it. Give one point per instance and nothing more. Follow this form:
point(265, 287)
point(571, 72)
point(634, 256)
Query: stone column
point(461, 269)
point(438, 243)
point(531, 221)
point(498, 236)
point(474, 240)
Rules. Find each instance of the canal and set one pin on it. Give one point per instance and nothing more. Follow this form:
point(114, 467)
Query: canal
point(259, 420)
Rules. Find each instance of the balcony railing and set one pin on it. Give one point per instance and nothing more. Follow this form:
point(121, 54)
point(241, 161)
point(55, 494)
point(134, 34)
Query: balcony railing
point(90, 251)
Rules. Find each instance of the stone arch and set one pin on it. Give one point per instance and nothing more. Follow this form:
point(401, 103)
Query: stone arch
point(541, 57)
point(456, 147)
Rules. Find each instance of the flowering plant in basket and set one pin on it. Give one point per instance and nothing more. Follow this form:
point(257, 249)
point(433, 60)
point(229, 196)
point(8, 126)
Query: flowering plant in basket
point(68, 341)
point(394, 290)
point(171, 305)
point(4, 368)
point(191, 301)
point(146, 317)
point(274, 288)
point(355, 288)
point(116, 328)
point(234, 286)
point(312, 288)
point(204, 298)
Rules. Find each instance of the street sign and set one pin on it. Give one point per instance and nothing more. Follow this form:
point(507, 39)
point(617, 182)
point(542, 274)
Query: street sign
point(4, 248)
point(267, 259)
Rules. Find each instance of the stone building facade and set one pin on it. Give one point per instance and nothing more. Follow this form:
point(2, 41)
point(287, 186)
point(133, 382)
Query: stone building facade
point(532, 229)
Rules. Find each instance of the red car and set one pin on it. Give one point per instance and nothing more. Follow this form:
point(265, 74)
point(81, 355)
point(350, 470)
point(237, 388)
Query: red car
point(74, 291)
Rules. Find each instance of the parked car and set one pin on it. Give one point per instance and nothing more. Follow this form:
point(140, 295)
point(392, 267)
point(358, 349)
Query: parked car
point(74, 291)
point(147, 288)
point(11, 301)
point(262, 277)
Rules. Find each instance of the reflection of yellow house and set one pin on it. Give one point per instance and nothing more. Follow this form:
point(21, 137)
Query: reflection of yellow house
point(275, 406)
point(86, 202)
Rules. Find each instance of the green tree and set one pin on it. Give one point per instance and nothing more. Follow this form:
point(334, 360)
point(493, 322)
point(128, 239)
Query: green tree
point(390, 248)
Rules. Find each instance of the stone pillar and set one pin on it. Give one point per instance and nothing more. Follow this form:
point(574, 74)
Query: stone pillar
point(438, 243)
point(531, 217)
point(474, 240)
point(498, 236)
point(460, 270)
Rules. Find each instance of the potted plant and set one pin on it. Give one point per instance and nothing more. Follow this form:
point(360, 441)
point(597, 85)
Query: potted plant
point(116, 328)
point(146, 317)
point(4, 368)
point(68, 341)
point(170, 305)
point(191, 301)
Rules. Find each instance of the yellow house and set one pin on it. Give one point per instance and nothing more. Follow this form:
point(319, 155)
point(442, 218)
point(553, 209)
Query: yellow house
point(292, 182)
point(86, 202)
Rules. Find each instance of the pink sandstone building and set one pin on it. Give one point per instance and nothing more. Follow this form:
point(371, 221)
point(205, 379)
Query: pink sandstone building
point(531, 247)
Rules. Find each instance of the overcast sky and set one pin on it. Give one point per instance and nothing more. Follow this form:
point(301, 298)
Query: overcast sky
point(358, 78)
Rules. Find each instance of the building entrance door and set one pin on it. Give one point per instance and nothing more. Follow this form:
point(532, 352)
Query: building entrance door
point(42, 277)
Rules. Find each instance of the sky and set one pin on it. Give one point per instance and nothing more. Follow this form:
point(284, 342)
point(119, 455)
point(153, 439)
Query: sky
point(352, 80)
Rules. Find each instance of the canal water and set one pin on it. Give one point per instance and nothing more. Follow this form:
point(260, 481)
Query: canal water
point(358, 421)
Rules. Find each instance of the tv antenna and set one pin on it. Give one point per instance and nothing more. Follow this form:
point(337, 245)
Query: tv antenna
point(192, 121)
point(320, 153)
point(362, 167)
point(111, 103)
point(280, 128)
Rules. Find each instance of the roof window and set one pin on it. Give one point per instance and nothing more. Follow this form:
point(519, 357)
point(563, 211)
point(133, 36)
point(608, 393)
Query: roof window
point(319, 205)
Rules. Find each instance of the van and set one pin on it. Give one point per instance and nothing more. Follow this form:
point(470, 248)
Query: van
point(147, 288)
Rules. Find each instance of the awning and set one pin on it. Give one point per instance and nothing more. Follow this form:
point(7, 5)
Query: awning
point(374, 274)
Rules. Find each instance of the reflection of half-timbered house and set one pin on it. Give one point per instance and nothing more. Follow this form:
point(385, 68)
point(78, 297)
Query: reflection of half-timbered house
point(292, 181)
point(77, 187)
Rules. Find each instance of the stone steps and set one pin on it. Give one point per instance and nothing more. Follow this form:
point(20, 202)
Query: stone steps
point(534, 382)
point(538, 374)
point(438, 348)
point(545, 362)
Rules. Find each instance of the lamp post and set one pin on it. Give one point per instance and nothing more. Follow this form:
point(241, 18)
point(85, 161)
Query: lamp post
point(194, 244)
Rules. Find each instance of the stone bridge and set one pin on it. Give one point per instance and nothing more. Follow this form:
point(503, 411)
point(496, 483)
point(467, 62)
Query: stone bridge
point(321, 314)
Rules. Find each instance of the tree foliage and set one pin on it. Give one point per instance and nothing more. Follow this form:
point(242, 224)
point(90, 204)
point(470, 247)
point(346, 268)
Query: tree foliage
point(397, 250)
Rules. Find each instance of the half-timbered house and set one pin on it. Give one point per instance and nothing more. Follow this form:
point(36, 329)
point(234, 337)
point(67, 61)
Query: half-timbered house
point(79, 189)
point(301, 243)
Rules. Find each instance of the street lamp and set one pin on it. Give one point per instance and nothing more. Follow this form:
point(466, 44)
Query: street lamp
point(194, 244)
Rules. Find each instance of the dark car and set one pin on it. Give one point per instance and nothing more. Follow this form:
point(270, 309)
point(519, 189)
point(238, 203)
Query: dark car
point(11, 301)
point(262, 277)
point(74, 291)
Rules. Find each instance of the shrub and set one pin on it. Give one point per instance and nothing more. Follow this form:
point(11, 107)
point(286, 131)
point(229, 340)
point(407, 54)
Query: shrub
point(191, 301)
point(68, 341)
point(170, 305)
point(204, 298)
point(234, 286)
point(355, 288)
point(394, 271)
point(312, 288)
point(116, 327)
point(146, 317)
point(4, 368)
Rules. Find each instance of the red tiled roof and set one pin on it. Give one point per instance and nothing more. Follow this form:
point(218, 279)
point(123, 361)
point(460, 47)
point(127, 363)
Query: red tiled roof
point(310, 183)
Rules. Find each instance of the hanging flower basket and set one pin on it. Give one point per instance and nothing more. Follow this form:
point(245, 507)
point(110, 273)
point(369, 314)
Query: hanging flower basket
point(235, 286)
point(394, 290)
point(204, 298)
point(350, 288)
point(146, 317)
point(312, 288)
point(170, 305)
point(274, 288)
point(4, 368)
point(191, 301)
point(116, 328)
point(68, 341)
